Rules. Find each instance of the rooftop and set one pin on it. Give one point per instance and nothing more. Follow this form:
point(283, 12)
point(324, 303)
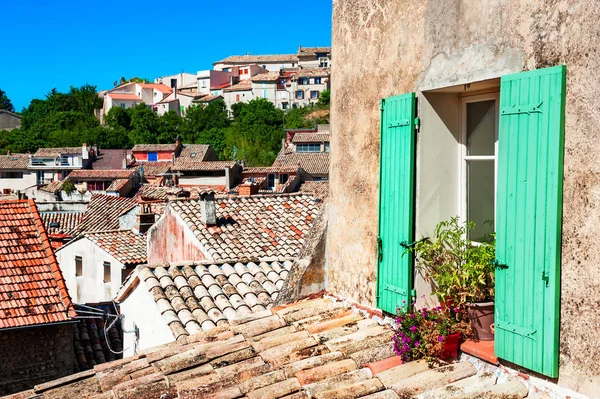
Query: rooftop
point(269, 169)
point(152, 168)
point(32, 288)
point(314, 163)
point(67, 221)
point(154, 147)
point(103, 212)
point(313, 348)
point(53, 187)
point(124, 96)
point(304, 51)
point(313, 72)
point(14, 161)
point(157, 86)
point(266, 77)
point(125, 246)
point(319, 189)
point(302, 137)
point(251, 59)
point(252, 227)
point(209, 98)
point(54, 152)
point(83, 174)
point(189, 164)
point(110, 159)
point(243, 85)
point(195, 151)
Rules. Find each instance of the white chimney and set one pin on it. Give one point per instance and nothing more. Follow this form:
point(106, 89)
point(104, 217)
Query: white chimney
point(84, 151)
point(208, 210)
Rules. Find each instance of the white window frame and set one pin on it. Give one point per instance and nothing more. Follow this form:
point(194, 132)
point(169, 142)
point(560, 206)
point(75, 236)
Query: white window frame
point(464, 158)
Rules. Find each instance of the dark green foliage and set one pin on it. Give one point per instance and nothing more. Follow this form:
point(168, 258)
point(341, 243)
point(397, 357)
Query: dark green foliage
point(5, 102)
point(324, 98)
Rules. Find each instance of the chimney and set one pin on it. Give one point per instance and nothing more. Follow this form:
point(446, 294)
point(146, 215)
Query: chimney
point(144, 219)
point(124, 163)
point(8, 152)
point(84, 151)
point(208, 211)
point(248, 189)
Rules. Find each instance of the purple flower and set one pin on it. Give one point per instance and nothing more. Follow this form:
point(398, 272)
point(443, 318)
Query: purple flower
point(416, 343)
point(413, 328)
point(405, 347)
point(412, 316)
point(441, 338)
point(456, 310)
point(424, 313)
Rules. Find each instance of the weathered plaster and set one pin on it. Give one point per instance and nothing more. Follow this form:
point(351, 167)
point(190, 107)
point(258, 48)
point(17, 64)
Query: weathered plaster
point(388, 47)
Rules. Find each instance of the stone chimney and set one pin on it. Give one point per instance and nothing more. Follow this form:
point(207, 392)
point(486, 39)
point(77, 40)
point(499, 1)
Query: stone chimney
point(124, 163)
point(208, 210)
point(144, 219)
point(248, 189)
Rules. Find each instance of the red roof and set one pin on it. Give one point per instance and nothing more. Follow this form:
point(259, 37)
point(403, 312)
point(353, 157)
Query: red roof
point(124, 96)
point(82, 174)
point(221, 86)
point(32, 288)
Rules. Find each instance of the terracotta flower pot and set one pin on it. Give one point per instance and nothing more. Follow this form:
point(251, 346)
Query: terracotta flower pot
point(481, 316)
point(451, 343)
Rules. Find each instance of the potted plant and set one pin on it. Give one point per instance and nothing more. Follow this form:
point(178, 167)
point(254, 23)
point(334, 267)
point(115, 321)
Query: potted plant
point(461, 272)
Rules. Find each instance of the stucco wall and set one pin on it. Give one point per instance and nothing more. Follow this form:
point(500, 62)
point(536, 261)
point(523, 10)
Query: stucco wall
point(170, 241)
point(422, 45)
point(29, 179)
point(152, 328)
point(90, 286)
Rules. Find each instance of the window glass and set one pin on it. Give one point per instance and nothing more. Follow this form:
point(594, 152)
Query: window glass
point(308, 147)
point(326, 147)
point(270, 181)
point(106, 272)
point(78, 266)
point(283, 178)
point(480, 199)
point(481, 127)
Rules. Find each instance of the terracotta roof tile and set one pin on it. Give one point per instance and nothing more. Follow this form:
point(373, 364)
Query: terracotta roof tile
point(157, 86)
point(14, 161)
point(103, 212)
point(51, 152)
point(313, 50)
point(183, 164)
point(200, 151)
point(32, 288)
point(125, 246)
point(117, 184)
point(154, 147)
point(83, 174)
point(67, 221)
point(319, 189)
point(249, 59)
point(110, 159)
point(313, 163)
point(152, 168)
point(124, 96)
point(263, 355)
point(243, 85)
point(53, 187)
point(311, 138)
point(313, 72)
point(269, 169)
point(252, 227)
point(210, 97)
point(266, 77)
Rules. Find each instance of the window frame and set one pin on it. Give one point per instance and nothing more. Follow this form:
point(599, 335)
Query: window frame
point(464, 159)
point(79, 273)
point(106, 266)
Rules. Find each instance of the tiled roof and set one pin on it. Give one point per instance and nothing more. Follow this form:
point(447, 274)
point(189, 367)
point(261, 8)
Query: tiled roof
point(52, 152)
point(67, 221)
point(53, 187)
point(260, 181)
point(158, 86)
point(117, 184)
point(153, 168)
point(269, 169)
point(183, 164)
point(151, 192)
point(221, 86)
point(208, 98)
point(311, 138)
point(154, 147)
point(90, 342)
point(252, 227)
point(124, 96)
point(243, 85)
point(313, 50)
point(266, 77)
point(249, 59)
point(316, 163)
point(199, 149)
point(14, 161)
point(123, 245)
point(313, 72)
point(319, 189)
point(196, 297)
point(32, 288)
point(82, 174)
point(103, 212)
point(313, 348)
point(110, 159)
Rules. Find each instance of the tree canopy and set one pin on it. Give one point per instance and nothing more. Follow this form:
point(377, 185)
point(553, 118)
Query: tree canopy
point(5, 102)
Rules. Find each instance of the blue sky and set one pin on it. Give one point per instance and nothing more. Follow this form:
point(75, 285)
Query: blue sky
point(61, 43)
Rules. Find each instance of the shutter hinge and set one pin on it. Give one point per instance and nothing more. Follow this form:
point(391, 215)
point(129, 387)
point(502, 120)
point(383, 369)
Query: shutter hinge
point(413, 293)
point(379, 249)
point(382, 104)
point(515, 329)
point(546, 277)
point(499, 265)
point(417, 123)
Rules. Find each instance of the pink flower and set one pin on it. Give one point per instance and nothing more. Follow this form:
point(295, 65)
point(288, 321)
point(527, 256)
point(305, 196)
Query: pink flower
point(413, 328)
point(416, 343)
point(441, 338)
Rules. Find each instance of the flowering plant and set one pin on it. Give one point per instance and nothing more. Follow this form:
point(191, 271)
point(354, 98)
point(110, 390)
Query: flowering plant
point(421, 333)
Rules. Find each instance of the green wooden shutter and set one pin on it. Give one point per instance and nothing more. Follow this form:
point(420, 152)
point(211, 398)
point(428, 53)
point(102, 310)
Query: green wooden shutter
point(529, 209)
point(396, 188)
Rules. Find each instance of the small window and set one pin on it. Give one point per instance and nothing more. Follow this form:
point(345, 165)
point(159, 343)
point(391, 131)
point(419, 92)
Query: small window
point(264, 67)
point(317, 81)
point(314, 94)
point(326, 147)
point(12, 175)
point(265, 94)
point(270, 181)
point(308, 147)
point(237, 97)
point(284, 105)
point(312, 81)
point(283, 178)
point(152, 156)
point(78, 266)
point(106, 272)
point(122, 105)
point(299, 94)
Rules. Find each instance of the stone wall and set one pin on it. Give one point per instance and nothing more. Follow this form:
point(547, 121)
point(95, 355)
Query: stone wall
point(384, 48)
point(9, 121)
point(35, 355)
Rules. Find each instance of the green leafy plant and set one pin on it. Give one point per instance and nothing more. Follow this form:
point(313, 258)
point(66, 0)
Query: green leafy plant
point(459, 270)
point(67, 186)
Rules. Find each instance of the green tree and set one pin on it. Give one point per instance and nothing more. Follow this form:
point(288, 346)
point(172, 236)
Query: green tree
point(204, 118)
point(236, 109)
point(118, 117)
point(169, 127)
point(144, 125)
point(5, 102)
point(324, 98)
point(296, 118)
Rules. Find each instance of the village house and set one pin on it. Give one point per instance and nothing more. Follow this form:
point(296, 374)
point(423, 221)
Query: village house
point(95, 264)
point(131, 94)
point(156, 152)
point(55, 164)
point(111, 159)
point(209, 80)
point(271, 62)
point(36, 314)
point(308, 149)
point(118, 183)
point(282, 179)
point(14, 173)
point(107, 212)
point(9, 120)
point(307, 85)
point(239, 92)
point(314, 57)
point(61, 226)
point(177, 80)
point(219, 175)
point(485, 111)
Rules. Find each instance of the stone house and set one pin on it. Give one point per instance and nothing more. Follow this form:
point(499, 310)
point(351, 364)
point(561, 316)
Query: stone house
point(314, 57)
point(118, 183)
point(36, 314)
point(131, 94)
point(483, 110)
point(55, 164)
point(95, 264)
point(308, 149)
point(271, 62)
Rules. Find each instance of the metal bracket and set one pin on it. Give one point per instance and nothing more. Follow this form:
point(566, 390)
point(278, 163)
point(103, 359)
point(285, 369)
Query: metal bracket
point(506, 326)
point(546, 277)
point(499, 265)
point(407, 245)
point(522, 109)
point(394, 289)
point(400, 123)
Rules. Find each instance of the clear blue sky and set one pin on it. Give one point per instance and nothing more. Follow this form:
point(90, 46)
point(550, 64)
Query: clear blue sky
point(61, 43)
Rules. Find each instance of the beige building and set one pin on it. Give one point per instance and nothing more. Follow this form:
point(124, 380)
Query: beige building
point(271, 63)
point(452, 54)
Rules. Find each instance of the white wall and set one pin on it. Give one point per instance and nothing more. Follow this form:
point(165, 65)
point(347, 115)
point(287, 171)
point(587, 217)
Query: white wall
point(203, 180)
point(139, 309)
point(230, 97)
point(90, 286)
point(28, 180)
